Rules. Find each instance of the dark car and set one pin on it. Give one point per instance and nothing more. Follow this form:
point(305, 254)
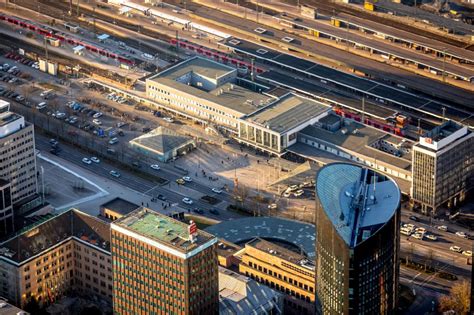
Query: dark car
point(199, 211)
point(161, 197)
point(214, 211)
point(413, 218)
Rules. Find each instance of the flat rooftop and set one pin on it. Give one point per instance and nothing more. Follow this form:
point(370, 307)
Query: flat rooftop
point(300, 235)
point(163, 229)
point(201, 66)
point(442, 131)
point(358, 138)
point(229, 94)
point(120, 205)
point(358, 201)
point(42, 236)
point(280, 252)
point(289, 112)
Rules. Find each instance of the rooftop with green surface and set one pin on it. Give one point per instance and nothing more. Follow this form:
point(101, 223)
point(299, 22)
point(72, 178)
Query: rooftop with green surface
point(163, 229)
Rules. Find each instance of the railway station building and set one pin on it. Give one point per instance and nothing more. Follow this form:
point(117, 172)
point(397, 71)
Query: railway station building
point(206, 90)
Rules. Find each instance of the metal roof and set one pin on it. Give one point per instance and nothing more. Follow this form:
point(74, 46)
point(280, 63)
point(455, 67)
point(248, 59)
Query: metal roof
point(358, 201)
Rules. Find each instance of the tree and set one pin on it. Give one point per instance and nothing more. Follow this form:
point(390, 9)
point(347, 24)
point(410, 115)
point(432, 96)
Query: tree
point(240, 193)
point(458, 299)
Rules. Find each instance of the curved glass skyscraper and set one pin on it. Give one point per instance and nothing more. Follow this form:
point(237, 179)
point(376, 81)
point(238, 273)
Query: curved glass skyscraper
point(357, 241)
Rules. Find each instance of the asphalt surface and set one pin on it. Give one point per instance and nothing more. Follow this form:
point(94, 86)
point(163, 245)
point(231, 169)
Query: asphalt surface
point(173, 192)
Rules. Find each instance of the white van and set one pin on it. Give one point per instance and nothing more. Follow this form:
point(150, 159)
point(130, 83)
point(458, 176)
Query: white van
point(41, 106)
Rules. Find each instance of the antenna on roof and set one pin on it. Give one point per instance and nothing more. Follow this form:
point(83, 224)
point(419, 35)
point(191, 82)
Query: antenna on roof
point(375, 181)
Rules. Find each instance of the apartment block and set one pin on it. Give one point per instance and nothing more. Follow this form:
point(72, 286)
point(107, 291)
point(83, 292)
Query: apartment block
point(443, 167)
point(70, 251)
point(283, 270)
point(162, 265)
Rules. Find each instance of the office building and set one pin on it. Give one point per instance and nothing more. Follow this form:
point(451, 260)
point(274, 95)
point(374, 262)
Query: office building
point(17, 164)
point(162, 265)
point(239, 294)
point(357, 241)
point(443, 167)
point(205, 90)
point(281, 269)
point(70, 251)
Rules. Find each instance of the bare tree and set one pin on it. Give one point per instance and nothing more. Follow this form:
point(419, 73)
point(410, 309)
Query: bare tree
point(240, 193)
point(458, 299)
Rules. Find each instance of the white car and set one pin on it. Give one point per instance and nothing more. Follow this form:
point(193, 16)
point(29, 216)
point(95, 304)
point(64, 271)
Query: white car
point(155, 166)
point(97, 122)
point(420, 230)
point(431, 237)
point(86, 161)
point(95, 159)
point(442, 228)
point(97, 115)
point(187, 201)
point(168, 119)
point(456, 249)
point(298, 193)
point(461, 234)
point(286, 194)
point(217, 190)
point(418, 236)
point(467, 253)
point(272, 206)
point(187, 179)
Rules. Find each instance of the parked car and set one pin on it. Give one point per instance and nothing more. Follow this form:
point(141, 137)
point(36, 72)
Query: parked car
point(95, 159)
point(431, 237)
point(217, 190)
point(199, 211)
point(86, 161)
point(97, 122)
point(187, 179)
point(214, 211)
point(180, 181)
point(168, 119)
point(298, 193)
point(113, 141)
point(97, 115)
point(467, 253)
point(155, 167)
point(461, 234)
point(442, 228)
point(418, 236)
point(456, 249)
point(161, 197)
point(53, 141)
point(413, 218)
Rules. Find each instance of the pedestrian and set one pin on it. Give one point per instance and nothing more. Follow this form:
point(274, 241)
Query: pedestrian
point(258, 161)
point(142, 203)
point(147, 204)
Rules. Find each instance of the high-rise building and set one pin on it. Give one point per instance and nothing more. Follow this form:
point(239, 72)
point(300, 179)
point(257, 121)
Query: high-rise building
point(68, 251)
point(443, 167)
point(162, 265)
point(357, 241)
point(17, 163)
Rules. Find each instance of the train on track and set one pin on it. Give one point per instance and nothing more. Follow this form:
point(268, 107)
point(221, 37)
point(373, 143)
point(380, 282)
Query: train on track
point(50, 32)
point(168, 17)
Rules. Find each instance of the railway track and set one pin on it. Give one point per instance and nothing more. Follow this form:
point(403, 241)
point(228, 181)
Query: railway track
point(60, 9)
point(330, 7)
